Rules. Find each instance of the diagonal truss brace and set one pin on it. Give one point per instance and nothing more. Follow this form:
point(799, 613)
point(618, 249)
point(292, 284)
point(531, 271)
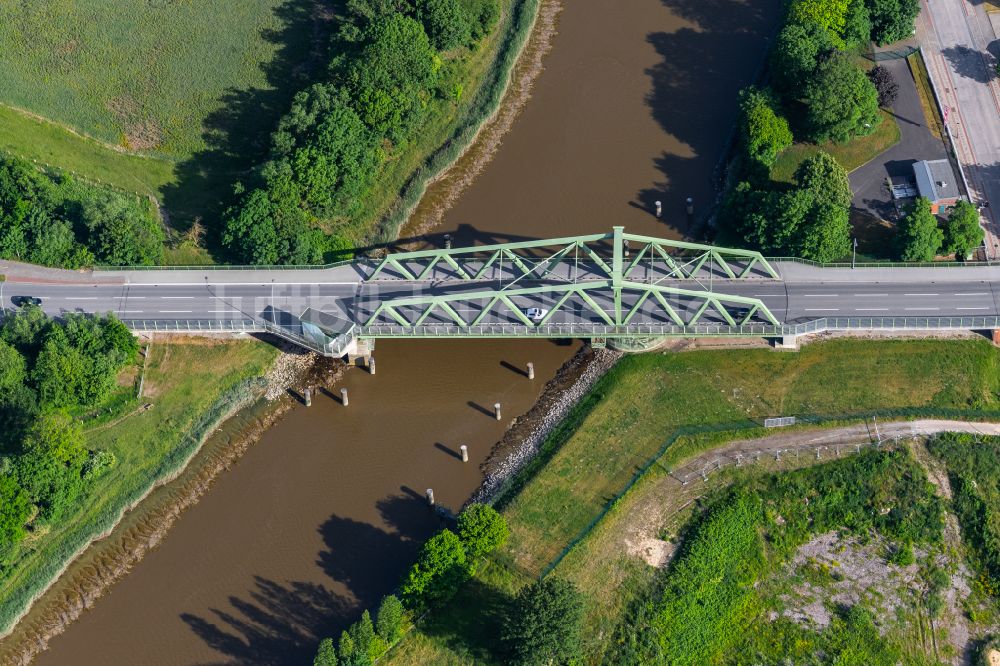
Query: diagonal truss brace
point(683, 260)
point(726, 305)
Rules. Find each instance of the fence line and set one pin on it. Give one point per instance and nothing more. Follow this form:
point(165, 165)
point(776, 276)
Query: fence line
point(748, 430)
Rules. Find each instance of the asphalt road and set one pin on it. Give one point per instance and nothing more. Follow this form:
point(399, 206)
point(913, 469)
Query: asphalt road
point(804, 293)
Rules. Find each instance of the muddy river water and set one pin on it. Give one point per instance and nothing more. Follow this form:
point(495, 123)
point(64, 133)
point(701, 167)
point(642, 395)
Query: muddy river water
point(322, 515)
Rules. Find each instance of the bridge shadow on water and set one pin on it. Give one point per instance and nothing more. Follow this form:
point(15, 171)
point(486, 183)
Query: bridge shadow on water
point(278, 623)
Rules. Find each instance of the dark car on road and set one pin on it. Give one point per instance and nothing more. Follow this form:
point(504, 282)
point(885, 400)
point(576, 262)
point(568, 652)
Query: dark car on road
point(21, 301)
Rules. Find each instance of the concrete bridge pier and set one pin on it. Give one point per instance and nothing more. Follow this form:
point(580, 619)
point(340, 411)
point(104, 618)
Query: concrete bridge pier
point(787, 342)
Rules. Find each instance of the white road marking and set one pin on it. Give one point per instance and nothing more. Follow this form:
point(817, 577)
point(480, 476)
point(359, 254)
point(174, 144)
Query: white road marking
point(131, 311)
point(175, 312)
point(81, 298)
point(974, 293)
point(232, 311)
point(920, 294)
point(176, 297)
point(309, 283)
point(920, 309)
point(982, 308)
point(820, 295)
point(870, 309)
point(871, 295)
point(822, 309)
point(775, 294)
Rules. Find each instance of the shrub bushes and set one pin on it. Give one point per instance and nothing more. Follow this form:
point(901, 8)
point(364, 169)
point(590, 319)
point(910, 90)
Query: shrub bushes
point(47, 466)
point(55, 221)
point(710, 595)
point(543, 623)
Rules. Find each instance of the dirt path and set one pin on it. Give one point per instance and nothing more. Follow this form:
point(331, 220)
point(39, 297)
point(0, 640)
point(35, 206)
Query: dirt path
point(824, 443)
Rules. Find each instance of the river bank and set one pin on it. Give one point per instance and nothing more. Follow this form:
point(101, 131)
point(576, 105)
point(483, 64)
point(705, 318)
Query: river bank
point(317, 519)
point(110, 507)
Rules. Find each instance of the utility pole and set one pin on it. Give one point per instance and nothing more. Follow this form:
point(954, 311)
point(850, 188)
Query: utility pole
point(854, 257)
point(877, 434)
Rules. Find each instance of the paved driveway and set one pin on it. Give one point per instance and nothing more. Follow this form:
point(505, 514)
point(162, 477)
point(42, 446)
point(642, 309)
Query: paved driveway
point(868, 182)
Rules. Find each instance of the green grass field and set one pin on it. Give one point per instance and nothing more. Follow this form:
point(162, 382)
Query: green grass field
point(849, 155)
point(635, 408)
point(155, 99)
point(189, 385)
point(147, 76)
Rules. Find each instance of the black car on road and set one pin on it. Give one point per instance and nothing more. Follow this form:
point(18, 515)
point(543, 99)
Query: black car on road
point(21, 301)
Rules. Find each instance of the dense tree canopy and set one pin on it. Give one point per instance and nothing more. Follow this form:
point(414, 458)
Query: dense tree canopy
point(798, 51)
point(438, 572)
point(482, 530)
point(544, 623)
point(326, 655)
point(810, 220)
point(858, 25)
point(15, 507)
point(122, 232)
point(831, 15)
point(12, 368)
point(47, 367)
point(919, 237)
point(763, 131)
point(963, 233)
point(841, 103)
point(892, 20)
point(885, 84)
point(389, 620)
point(329, 150)
point(825, 179)
point(446, 22)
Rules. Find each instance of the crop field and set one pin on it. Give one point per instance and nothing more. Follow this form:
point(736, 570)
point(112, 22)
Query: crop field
point(150, 75)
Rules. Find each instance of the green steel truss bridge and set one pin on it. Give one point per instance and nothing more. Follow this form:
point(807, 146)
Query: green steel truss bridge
point(612, 285)
point(617, 288)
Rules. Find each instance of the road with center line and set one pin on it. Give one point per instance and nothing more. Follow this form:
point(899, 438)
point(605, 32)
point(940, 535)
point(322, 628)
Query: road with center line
point(802, 294)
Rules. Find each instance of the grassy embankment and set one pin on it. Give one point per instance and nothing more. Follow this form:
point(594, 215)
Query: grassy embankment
point(214, 126)
point(630, 415)
point(191, 387)
point(849, 155)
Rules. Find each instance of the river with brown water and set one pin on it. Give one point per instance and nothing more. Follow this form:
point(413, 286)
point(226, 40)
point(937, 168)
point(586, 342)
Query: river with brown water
point(321, 516)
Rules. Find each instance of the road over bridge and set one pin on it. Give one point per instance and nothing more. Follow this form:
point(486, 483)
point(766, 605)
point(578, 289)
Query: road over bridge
point(619, 287)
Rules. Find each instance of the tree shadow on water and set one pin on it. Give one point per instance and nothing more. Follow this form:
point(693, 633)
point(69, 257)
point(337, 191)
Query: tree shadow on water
point(276, 625)
point(237, 135)
point(282, 623)
point(694, 91)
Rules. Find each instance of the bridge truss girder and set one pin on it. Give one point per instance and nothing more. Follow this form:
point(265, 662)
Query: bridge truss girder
point(627, 300)
point(543, 259)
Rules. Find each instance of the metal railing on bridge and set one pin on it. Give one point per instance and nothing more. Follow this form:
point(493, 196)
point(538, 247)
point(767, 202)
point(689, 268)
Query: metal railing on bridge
point(341, 344)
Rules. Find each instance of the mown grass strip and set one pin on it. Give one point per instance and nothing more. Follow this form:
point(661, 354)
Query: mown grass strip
point(849, 155)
